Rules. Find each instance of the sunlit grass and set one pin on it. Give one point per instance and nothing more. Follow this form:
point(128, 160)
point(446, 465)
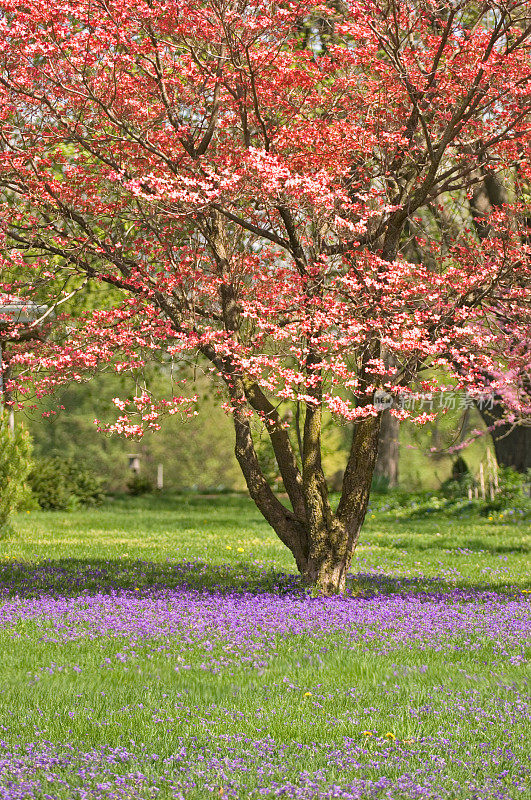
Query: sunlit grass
point(229, 529)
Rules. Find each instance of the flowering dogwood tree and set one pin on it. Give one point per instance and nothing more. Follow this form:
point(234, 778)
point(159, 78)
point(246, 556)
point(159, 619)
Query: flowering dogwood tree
point(250, 188)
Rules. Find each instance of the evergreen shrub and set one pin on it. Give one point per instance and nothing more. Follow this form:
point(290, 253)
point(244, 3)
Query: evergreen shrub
point(63, 484)
point(15, 466)
point(139, 484)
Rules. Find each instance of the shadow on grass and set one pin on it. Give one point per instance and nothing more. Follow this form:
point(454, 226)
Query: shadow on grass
point(473, 545)
point(70, 577)
point(178, 502)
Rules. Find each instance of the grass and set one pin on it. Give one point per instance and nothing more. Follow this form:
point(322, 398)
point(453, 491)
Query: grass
point(162, 647)
point(227, 529)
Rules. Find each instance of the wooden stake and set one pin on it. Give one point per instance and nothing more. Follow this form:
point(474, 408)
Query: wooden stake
point(482, 481)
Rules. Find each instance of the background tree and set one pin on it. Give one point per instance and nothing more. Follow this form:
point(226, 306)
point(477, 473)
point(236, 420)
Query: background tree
point(512, 442)
point(247, 199)
point(15, 465)
point(386, 467)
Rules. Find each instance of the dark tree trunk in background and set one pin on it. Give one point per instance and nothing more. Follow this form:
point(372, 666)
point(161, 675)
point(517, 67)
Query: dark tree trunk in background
point(514, 450)
point(387, 460)
point(512, 444)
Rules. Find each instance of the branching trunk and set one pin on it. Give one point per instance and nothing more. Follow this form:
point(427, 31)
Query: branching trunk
point(322, 542)
point(325, 538)
point(333, 537)
point(290, 530)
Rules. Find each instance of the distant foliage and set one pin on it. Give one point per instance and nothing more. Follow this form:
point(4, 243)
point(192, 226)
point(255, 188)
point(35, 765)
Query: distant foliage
point(15, 465)
point(201, 454)
point(139, 484)
point(64, 484)
point(512, 500)
point(513, 491)
point(380, 484)
point(459, 482)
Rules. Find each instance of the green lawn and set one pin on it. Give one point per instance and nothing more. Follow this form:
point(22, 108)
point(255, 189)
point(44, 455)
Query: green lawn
point(159, 647)
point(227, 529)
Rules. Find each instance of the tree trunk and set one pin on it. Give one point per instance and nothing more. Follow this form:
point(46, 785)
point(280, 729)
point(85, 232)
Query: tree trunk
point(387, 461)
point(512, 444)
point(513, 447)
point(332, 543)
point(330, 558)
point(322, 542)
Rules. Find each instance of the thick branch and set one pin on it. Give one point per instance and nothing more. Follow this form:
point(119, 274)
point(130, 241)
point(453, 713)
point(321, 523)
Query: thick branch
point(286, 460)
point(358, 474)
point(285, 523)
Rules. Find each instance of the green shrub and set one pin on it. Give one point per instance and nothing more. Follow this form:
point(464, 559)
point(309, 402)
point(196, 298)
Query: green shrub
point(15, 465)
point(63, 484)
point(452, 501)
point(380, 484)
point(513, 491)
point(139, 484)
point(460, 481)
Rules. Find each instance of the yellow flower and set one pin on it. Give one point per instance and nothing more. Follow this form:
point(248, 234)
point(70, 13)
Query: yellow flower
point(307, 694)
point(229, 547)
point(240, 549)
point(390, 736)
point(367, 733)
point(491, 518)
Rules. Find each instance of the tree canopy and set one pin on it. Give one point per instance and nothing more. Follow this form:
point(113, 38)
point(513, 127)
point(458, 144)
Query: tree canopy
point(253, 189)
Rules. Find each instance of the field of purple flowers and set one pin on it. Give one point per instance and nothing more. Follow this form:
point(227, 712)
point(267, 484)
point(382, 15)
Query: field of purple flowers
point(169, 652)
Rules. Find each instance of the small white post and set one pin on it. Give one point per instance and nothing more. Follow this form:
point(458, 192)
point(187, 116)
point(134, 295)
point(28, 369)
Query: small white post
point(495, 470)
point(11, 414)
point(482, 481)
point(491, 473)
point(160, 476)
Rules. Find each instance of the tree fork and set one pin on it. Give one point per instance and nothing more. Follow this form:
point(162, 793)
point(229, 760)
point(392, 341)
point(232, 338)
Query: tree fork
point(290, 530)
point(284, 455)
